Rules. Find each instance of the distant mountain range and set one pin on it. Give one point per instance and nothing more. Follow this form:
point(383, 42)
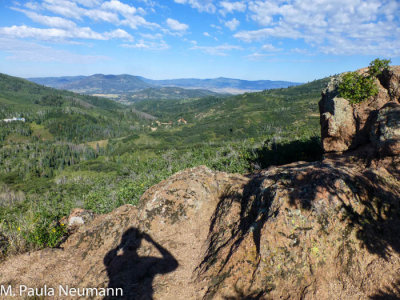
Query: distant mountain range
point(222, 84)
point(134, 88)
point(95, 84)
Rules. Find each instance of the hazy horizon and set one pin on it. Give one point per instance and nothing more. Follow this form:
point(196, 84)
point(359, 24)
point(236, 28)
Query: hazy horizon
point(138, 75)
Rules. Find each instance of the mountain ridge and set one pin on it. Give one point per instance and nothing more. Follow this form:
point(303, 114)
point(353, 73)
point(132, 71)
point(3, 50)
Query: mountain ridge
point(124, 83)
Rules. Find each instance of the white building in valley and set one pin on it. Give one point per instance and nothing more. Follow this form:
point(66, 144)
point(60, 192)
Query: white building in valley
point(14, 119)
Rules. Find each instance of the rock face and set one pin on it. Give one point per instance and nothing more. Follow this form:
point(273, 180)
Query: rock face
point(345, 126)
point(323, 230)
point(385, 133)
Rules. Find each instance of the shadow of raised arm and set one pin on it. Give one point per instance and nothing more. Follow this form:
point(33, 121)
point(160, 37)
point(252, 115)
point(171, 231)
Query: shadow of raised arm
point(169, 263)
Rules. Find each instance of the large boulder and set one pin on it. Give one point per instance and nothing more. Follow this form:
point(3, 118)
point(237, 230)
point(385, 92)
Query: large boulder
point(346, 126)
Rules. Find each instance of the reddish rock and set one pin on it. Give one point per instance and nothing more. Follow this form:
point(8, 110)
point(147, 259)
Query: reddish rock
point(346, 126)
point(386, 131)
point(300, 231)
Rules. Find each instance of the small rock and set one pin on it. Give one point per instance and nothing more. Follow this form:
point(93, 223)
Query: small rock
point(79, 217)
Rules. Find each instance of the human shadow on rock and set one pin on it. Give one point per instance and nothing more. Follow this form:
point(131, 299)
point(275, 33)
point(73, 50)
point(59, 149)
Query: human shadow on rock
point(134, 273)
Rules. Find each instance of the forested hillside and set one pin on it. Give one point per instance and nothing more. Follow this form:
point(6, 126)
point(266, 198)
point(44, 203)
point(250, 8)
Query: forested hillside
point(62, 115)
point(82, 151)
point(282, 113)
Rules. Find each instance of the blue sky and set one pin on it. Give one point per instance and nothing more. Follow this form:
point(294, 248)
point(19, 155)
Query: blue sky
point(296, 40)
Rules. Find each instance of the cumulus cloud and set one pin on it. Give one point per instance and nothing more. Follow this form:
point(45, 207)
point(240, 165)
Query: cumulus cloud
point(102, 15)
point(220, 50)
point(341, 26)
point(260, 34)
point(270, 48)
point(136, 21)
point(88, 3)
point(232, 24)
point(200, 5)
point(47, 20)
point(120, 7)
point(64, 8)
point(147, 45)
point(113, 11)
point(60, 34)
point(176, 25)
point(230, 7)
point(118, 34)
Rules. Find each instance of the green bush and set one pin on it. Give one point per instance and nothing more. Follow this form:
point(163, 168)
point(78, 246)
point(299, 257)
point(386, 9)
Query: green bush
point(356, 87)
point(377, 66)
point(46, 234)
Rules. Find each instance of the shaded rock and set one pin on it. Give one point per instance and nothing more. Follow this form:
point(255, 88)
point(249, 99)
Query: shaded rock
point(307, 231)
point(390, 80)
point(337, 124)
point(386, 131)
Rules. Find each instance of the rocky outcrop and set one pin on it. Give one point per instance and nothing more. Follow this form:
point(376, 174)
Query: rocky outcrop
point(346, 126)
point(322, 230)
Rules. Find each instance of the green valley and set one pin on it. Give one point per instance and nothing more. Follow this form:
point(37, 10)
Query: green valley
point(83, 151)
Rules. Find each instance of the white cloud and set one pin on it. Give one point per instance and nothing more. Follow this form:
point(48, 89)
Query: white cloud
point(270, 48)
point(256, 56)
point(176, 25)
point(32, 5)
point(120, 7)
point(60, 34)
point(267, 50)
point(136, 21)
point(200, 5)
point(232, 24)
point(371, 26)
point(220, 50)
point(47, 20)
point(230, 7)
point(113, 11)
point(257, 35)
point(118, 34)
point(216, 27)
point(64, 8)
point(102, 15)
point(206, 34)
point(88, 3)
point(148, 45)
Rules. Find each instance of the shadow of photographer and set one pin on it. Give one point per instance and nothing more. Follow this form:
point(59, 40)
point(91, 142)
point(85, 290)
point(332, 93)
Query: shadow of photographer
point(134, 273)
